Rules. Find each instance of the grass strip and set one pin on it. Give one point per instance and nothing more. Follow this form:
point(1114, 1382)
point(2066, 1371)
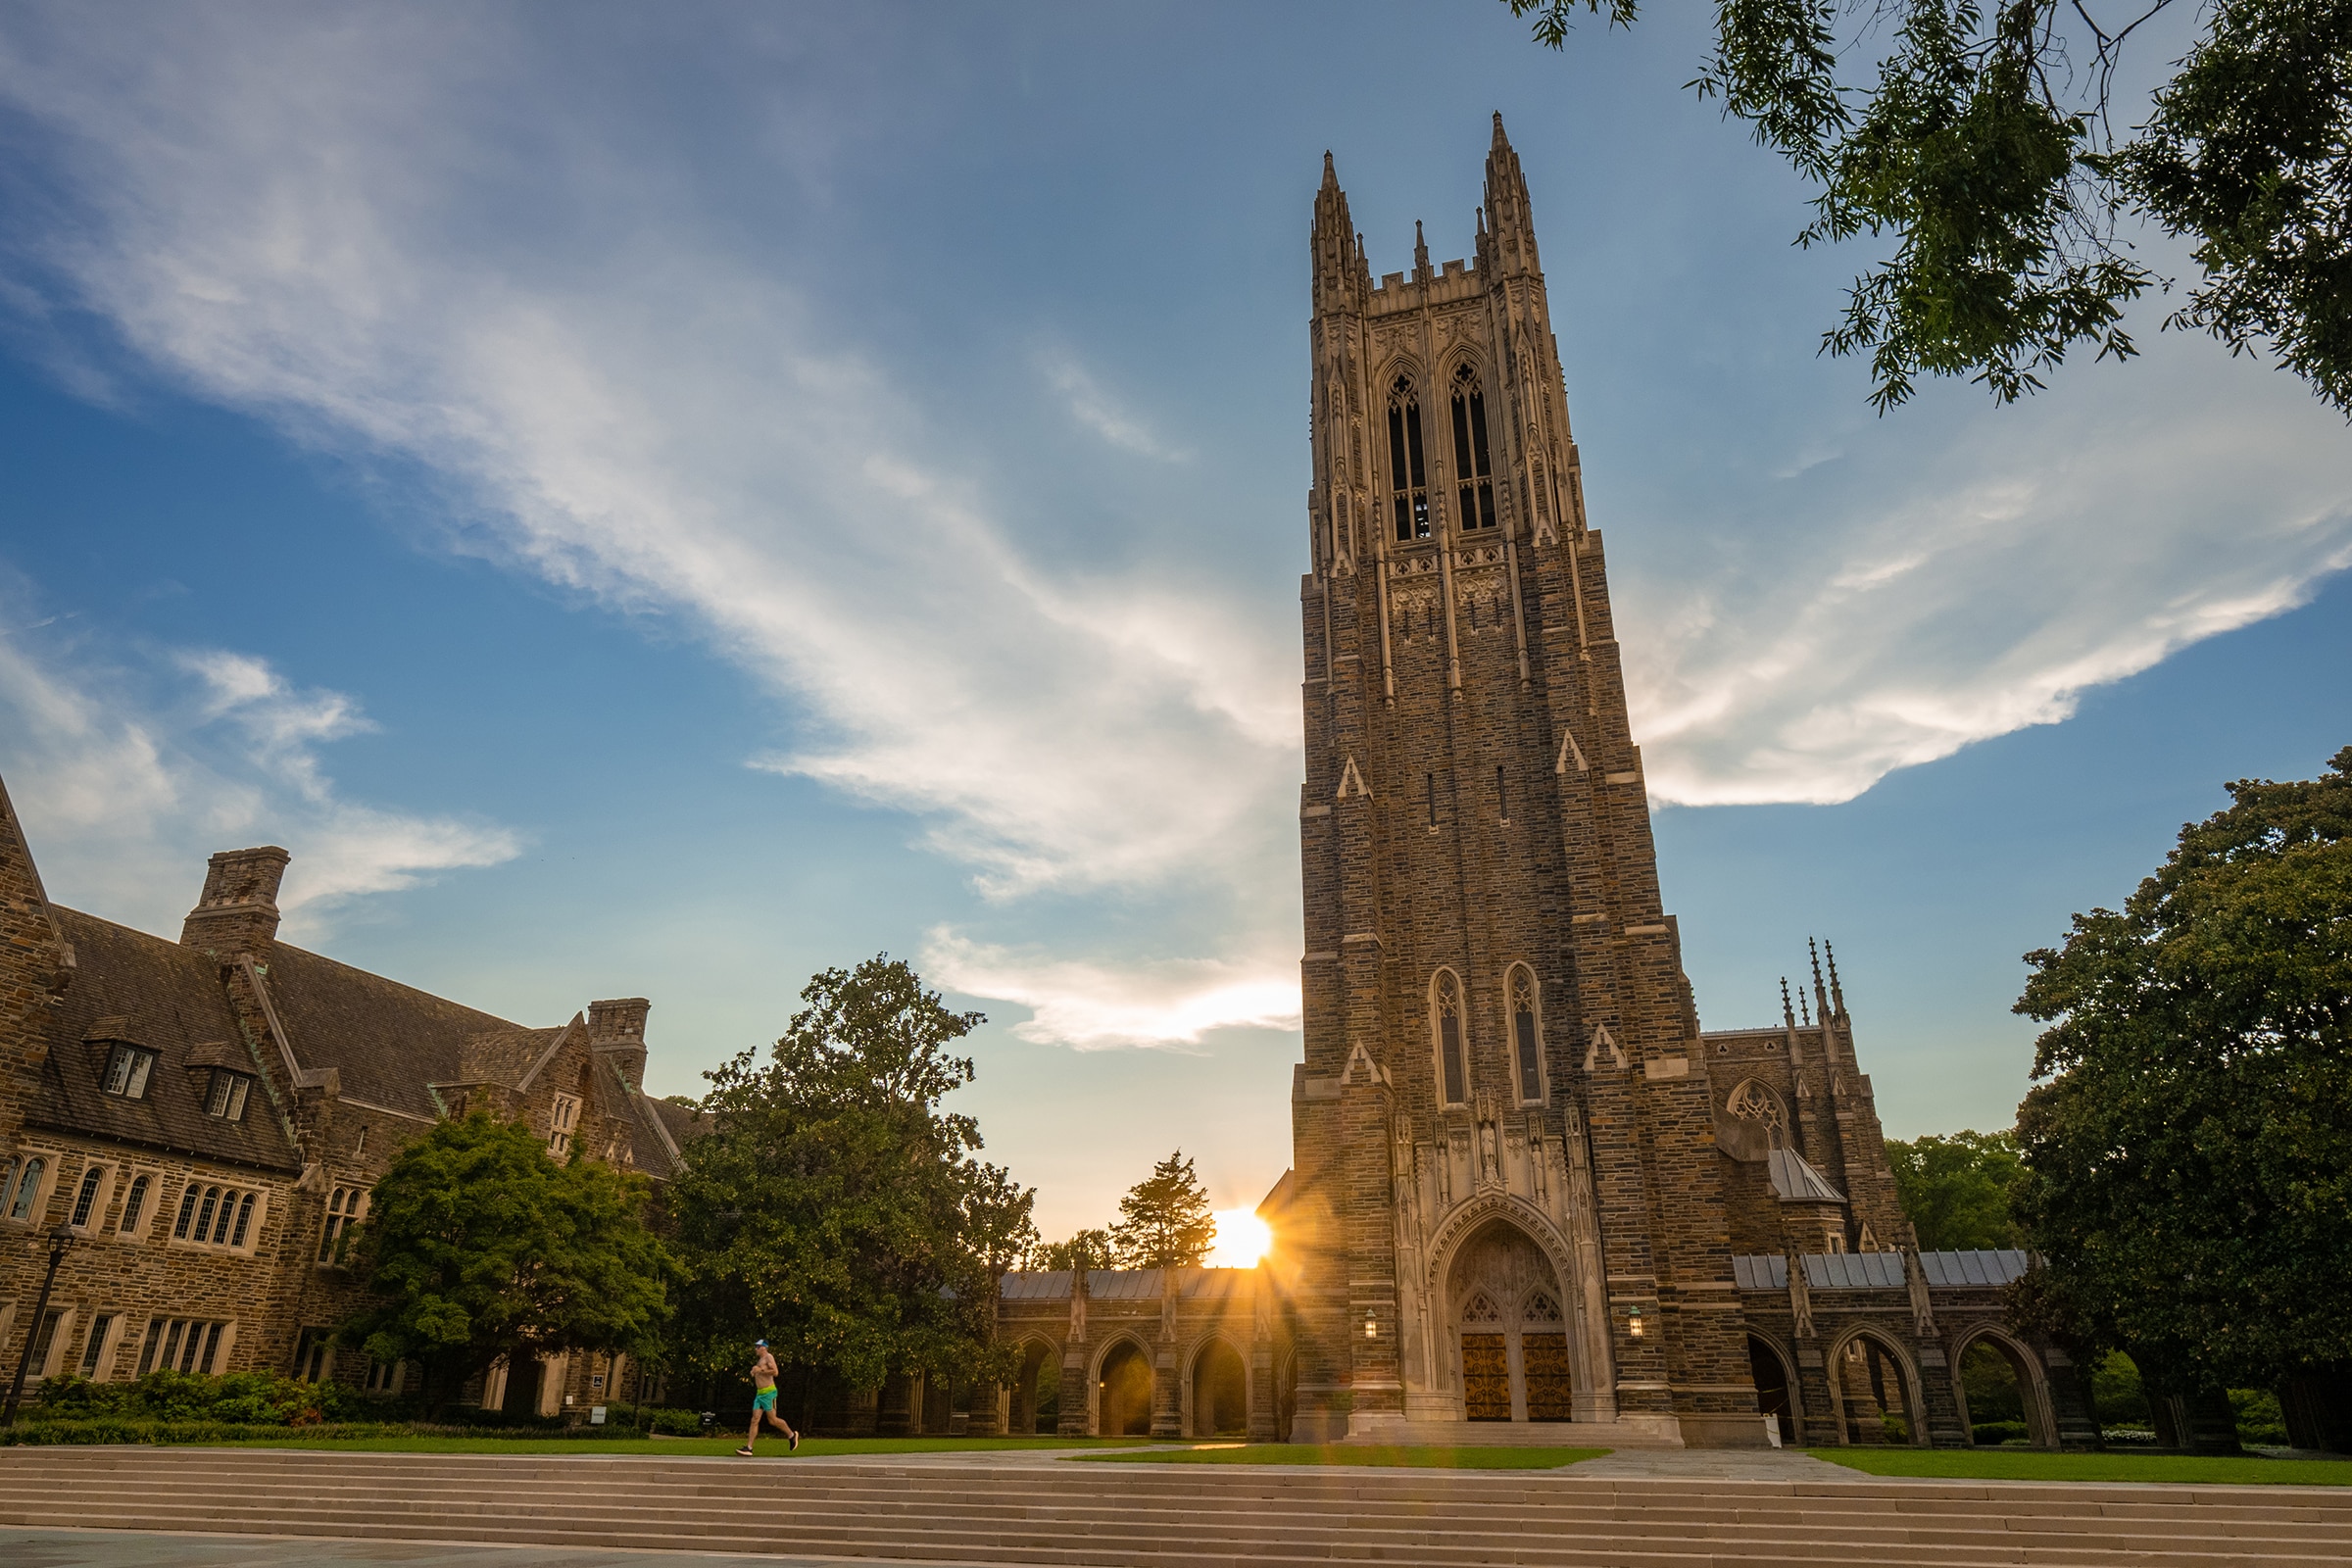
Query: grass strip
point(638, 1448)
point(2027, 1464)
point(1309, 1453)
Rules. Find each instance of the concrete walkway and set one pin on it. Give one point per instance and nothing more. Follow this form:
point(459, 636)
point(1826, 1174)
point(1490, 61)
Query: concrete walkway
point(148, 1548)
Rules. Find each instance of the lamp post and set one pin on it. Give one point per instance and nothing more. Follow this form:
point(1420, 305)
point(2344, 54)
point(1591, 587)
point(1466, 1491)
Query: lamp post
point(60, 1238)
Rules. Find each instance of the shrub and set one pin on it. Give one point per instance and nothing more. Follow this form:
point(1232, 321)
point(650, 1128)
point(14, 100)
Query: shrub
point(1990, 1433)
point(134, 1428)
point(237, 1398)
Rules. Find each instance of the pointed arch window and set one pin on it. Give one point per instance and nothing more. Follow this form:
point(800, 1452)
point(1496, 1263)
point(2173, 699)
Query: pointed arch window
point(1527, 1033)
point(1470, 464)
point(1408, 478)
point(1454, 1077)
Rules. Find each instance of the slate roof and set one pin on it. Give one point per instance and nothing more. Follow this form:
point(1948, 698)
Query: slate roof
point(386, 1040)
point(145, 990)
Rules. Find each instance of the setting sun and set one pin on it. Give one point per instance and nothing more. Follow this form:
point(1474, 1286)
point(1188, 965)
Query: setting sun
point(1242, 1239)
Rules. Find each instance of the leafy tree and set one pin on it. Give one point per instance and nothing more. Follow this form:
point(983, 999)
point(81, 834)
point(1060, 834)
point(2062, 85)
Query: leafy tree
point(1985, 149)
point(2188, 1151)
point(478, 1245)
point(1164, 1220)
point(1956, 1189)
point(1088, 1248)
point(834, 1209)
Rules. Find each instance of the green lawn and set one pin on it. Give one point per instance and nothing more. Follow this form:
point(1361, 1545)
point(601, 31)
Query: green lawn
point(770, 1447)
point(2028, 1464)
point(1418, 1458)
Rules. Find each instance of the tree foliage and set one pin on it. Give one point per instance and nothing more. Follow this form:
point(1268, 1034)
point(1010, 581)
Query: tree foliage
point(478, 1246)
point(1164, 1220)
point(1984, 148)
point(1087, 1249)
point(1956, 1189)
point(2188, 1147)
point(835, 1209)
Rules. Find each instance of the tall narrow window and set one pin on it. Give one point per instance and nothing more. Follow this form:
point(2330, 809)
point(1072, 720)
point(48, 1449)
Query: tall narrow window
point(311, 1349)
point(1453, 1073)
point(244, 1219)
point(1407, 475)
point(187, 1211)
point(29, 1187)
point(100, 1327)
point(43, 1339)
point(88, 1197)
point(565, 1119)
point(134, 1206)
point(1470, 467)
point(1524, 1035)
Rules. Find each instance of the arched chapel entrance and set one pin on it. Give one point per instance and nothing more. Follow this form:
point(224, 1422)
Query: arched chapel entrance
point(1509, 1332)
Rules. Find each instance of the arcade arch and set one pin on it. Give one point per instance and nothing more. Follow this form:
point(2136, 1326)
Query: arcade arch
point(1123, 1390)
point(1775, 1387)
point(1998, 1383)
point(1218, 1387)
point(1875, 1393)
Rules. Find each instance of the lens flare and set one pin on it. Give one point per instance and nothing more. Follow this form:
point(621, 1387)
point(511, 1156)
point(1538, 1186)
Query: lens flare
point(1242, 1239)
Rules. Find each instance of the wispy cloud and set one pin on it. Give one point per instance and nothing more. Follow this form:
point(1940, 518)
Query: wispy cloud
point(1097, 1006)
point(1098, 411)
point(126, 782)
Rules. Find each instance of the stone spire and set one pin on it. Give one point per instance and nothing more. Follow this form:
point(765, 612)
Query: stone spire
point(1421, 272)
point(1508, 215)
point(1342, 277)
point(1837, 994)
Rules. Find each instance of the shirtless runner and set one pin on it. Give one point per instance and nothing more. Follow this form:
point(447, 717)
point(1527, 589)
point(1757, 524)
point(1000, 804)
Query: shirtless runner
point(763, 1400)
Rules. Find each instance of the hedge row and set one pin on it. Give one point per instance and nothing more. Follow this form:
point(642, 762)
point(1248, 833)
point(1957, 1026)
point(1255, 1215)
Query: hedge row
point(134, 1429)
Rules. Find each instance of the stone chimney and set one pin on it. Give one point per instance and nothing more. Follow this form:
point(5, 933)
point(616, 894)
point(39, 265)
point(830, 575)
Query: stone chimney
point(617, 1027)
point(237, 916)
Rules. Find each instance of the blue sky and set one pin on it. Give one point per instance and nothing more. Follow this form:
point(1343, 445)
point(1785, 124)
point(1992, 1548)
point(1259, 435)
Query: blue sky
point(659, 502)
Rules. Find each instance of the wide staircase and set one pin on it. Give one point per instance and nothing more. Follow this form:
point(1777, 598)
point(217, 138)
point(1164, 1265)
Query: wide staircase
point(974, 1510)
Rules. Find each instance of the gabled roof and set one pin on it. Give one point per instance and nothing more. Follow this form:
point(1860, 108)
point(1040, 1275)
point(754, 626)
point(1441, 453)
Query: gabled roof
point(134, 989)
point(387, 1041)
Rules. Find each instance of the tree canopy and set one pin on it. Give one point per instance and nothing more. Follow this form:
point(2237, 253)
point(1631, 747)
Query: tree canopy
point(2188, 1151)
point(1087, 1249)
point(478, 1246)
point(1985, 149)
point(1956, 1189)
point(1164, 1220)
point(835, 1209)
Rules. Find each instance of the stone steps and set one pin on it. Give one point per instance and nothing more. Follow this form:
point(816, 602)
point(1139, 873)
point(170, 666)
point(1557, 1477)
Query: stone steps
point(1139, 1516)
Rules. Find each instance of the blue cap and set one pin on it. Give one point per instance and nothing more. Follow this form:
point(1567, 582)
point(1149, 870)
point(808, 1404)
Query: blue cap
point(762, 1344)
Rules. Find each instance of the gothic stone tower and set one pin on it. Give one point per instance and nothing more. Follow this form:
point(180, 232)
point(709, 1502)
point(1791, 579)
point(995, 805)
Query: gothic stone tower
point(1506, 1199)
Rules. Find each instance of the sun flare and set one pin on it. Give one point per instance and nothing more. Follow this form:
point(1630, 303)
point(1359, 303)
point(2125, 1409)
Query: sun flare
point(1242, 1239)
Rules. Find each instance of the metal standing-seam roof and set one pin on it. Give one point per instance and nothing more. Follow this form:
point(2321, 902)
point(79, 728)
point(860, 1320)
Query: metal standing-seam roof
point(1974, 1269)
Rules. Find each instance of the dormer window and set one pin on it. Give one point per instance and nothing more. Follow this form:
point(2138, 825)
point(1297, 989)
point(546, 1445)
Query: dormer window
point(126, 1071)
point(565, 1122)
point(1470, 467)
point(1407, 475)
point(226, 1098)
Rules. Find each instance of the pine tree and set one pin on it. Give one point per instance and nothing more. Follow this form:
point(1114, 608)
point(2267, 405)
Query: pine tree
point(1164, 1220)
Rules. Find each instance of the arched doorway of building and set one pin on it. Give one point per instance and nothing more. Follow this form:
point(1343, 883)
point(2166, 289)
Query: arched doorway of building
point(1036, 1390)
point(1999, 1394)
point(1220, 1393)
point(1773, 1395)
point(1877, 1394)
point(523, 1381)
point(1510, 1334)
point(1286, 1395)
point(1124, 1393)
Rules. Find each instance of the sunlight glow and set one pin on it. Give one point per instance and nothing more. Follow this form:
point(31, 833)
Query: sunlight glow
point(1242, 1239)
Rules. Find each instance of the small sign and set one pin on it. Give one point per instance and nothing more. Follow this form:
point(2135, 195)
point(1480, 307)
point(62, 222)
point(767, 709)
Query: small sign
point(595, 1415)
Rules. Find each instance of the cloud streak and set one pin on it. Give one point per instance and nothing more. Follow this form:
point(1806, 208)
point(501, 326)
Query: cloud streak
point(126, 782)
